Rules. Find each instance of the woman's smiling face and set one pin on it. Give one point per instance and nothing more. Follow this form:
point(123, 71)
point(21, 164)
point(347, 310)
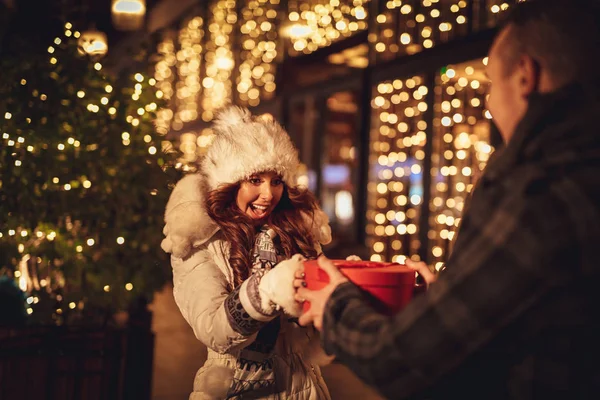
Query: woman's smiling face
point(259, 195)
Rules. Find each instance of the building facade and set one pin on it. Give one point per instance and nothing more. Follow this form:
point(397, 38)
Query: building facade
point(384, 99)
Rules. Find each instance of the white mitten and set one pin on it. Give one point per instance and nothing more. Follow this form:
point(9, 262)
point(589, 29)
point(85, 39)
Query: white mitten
point(276, 287)
point(353, 258)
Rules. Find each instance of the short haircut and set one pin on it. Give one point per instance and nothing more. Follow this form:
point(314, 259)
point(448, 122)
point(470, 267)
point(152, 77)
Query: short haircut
point(562, 36)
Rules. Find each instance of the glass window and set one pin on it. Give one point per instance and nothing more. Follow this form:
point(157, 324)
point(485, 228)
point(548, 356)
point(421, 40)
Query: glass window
point(325, 128)
point(302, 125)
point(339, 163)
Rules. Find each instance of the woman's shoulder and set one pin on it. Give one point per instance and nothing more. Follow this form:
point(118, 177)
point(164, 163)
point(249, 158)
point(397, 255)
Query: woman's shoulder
point(209, 256)
point(213, 248)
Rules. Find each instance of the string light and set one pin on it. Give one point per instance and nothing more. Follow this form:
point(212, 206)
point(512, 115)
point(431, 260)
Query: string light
point(395, 190)
point(410, 26)
point(165, 77)
point(189, 59)
point(65, 236)
point(217, 85)
point(313, 24)
point(461, 148)
point(259, 38)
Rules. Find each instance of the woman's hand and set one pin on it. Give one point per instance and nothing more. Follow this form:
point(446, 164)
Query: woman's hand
point(276, 288)
point(422, 269)
point(317, 298)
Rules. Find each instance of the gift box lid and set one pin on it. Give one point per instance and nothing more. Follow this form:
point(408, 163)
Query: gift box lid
point(364, 273)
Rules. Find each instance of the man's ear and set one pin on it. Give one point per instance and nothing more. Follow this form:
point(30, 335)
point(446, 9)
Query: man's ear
point(528, 75)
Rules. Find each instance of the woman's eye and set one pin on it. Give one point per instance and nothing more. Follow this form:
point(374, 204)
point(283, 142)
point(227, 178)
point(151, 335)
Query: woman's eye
point(276, 182)
point(254, 181)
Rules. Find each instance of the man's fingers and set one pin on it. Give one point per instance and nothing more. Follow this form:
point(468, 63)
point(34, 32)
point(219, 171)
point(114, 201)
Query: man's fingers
point(328, 266)
point(298, 283)
point(422, 269)
point(418, 266)
point(306, 319)
point(303, 294)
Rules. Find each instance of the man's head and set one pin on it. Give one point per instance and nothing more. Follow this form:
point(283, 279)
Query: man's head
point(542, 46)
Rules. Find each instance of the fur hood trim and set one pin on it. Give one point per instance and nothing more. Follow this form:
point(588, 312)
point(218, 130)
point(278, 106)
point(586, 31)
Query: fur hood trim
point(188, 226)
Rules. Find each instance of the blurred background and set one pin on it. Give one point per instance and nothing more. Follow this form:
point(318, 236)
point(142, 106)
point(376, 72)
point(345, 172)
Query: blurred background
point(105, 104)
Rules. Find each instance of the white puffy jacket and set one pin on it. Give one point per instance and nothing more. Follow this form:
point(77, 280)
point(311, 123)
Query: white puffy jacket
point(203, 281)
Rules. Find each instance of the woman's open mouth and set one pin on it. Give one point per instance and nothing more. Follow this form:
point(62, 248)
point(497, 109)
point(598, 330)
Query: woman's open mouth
point(259, 210)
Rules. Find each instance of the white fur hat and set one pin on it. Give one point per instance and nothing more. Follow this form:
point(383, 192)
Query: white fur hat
point(246, 145)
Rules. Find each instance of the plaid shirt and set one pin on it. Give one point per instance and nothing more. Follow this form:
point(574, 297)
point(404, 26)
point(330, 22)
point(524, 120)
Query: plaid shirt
point(515, 315)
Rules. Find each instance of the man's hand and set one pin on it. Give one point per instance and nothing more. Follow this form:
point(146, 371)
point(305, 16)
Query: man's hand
point(422, 269)
point(317, 298)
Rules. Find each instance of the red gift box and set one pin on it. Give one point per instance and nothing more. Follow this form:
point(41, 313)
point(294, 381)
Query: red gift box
point(390, 286)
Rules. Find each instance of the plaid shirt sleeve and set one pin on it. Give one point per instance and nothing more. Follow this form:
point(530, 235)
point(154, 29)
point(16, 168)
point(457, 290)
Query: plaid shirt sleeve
point(507, 258)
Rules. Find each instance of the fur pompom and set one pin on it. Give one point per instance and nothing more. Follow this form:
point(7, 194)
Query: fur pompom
point(212, 384)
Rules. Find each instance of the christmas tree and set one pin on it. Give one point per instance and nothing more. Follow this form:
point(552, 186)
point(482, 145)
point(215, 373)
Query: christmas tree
point(83, 180)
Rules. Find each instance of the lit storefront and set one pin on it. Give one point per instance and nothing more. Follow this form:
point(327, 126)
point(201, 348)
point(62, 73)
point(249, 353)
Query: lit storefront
point(384, 99)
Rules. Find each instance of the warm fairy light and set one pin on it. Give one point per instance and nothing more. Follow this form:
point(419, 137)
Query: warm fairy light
point(189, 59)
point(217, 85)
point(395, 189)
point(164, 77)
point(495, 9)
point(259, 38)
point(407, 27)
point(461, 149)
point(314, 24)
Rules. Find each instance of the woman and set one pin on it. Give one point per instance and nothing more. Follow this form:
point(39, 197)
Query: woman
point(237, 233)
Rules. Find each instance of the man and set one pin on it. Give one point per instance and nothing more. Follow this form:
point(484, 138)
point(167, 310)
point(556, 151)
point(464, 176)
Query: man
point(515, 313)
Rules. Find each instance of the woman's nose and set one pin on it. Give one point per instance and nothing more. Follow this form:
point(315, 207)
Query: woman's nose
point(265, 192)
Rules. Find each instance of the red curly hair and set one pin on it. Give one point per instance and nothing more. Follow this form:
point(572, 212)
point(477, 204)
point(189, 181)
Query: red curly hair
point(293, 236)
